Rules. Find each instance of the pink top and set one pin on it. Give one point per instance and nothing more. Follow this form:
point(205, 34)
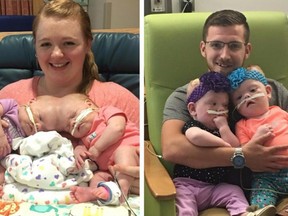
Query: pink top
point(130, 136)
point(276, 117)
point(102, 93)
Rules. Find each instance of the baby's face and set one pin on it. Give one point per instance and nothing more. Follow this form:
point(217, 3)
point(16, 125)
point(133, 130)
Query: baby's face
point(41, 114)
point(211, 101)
point(252, 98)
point(78, 115)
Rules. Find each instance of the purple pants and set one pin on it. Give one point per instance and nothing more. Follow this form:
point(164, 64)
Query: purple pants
point(193, 196)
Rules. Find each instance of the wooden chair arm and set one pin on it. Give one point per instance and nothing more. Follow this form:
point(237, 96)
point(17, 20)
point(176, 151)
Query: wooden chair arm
point(156, 176)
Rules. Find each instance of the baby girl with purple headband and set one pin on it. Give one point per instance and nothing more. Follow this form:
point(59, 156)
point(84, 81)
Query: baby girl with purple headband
point(207, 103)
point(250, 96)
point(198, 189)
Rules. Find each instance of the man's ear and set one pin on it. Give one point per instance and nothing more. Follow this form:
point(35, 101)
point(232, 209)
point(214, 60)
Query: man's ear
point(248, 49)
point(268, 91)
point(192, 109)
point(203, 49)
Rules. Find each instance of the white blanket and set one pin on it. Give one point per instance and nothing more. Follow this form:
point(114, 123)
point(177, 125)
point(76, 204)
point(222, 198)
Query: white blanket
point(46, 161)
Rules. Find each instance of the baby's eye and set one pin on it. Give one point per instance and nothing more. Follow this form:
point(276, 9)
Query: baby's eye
point(238, 97)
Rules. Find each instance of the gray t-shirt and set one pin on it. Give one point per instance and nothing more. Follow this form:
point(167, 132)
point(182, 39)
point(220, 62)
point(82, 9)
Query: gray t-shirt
point(176, 107)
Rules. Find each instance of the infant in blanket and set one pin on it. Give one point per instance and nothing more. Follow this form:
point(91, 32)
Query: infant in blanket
point(17, 121)
point(106, 135)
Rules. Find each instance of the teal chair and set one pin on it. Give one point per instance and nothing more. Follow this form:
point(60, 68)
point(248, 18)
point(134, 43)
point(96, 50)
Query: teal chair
point(172, 58)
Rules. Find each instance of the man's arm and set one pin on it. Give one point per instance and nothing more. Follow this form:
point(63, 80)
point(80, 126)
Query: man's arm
point(279, 94)
point(177, 149)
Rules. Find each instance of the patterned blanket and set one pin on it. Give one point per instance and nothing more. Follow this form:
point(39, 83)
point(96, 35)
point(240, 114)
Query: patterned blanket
point(37, 180)
point(82, 209)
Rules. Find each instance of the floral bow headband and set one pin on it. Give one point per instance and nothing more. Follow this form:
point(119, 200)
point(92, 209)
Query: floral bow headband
point(241, 74)
point(209, 81)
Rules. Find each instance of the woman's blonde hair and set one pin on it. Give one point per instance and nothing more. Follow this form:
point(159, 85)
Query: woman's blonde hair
point(66, 9)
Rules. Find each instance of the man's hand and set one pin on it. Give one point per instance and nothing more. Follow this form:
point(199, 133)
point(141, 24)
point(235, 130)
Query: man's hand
point(260, 158)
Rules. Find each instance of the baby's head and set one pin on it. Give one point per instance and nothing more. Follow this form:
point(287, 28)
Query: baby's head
point(207, 97)
point(210, 81)
point(39, 114)
point(250, 91)
point(77, 108)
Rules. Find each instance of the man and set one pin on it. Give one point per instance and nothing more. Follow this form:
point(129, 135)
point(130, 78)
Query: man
point(225, 46)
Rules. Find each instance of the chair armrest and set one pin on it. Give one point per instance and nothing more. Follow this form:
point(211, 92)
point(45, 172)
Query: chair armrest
point(156, 176)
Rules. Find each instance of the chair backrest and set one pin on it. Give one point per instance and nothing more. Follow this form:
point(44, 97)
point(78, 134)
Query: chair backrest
point(116, 55)
point(172, 56)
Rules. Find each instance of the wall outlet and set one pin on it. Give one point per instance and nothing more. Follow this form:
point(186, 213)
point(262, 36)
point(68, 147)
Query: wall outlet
point(158, 6)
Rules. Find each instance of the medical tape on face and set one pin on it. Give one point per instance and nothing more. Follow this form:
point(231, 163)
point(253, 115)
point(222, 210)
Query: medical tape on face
point(80, 117)
point(214, 112)
point(250, 98)
point(31, 118)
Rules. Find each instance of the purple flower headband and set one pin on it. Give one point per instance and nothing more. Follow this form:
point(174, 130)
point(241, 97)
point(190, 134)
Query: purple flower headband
point(209, 81)
point(241, 74)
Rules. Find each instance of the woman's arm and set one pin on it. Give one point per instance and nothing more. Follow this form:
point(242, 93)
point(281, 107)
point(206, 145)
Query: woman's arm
point(6, 106)
point(4, 145)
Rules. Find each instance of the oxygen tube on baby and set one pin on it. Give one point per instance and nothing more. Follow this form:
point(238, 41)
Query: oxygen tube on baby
point(80, 117)
point(250, 98)
point(214, 112)
point(31, 118)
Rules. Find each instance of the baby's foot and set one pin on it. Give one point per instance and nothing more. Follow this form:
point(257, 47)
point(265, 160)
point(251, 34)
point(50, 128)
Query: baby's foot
point(86, 194)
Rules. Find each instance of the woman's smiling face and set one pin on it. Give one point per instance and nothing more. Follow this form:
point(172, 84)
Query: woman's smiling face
point(61, 49)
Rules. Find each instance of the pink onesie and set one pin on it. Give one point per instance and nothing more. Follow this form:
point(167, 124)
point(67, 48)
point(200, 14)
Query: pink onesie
point(129, 138)
point(276, 117)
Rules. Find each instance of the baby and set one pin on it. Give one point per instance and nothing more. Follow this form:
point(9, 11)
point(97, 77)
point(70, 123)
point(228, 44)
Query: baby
point(107, 137)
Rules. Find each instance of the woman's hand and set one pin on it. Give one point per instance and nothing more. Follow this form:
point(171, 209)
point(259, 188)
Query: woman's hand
point(132, 171)
point(5, 147)
point(4, 123)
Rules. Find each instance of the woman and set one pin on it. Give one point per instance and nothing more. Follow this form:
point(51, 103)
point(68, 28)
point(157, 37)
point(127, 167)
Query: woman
point(62, 34)
point(63, 37)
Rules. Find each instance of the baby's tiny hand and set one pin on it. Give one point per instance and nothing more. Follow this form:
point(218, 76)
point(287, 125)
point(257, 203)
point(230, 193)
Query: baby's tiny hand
point(264, 129)
point(220, 121)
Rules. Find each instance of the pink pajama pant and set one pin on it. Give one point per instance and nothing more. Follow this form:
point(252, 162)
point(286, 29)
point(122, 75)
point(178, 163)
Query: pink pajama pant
point(193, 196)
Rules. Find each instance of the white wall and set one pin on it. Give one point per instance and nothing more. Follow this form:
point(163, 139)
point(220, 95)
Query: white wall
point(241, 5)
point(114, 13)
